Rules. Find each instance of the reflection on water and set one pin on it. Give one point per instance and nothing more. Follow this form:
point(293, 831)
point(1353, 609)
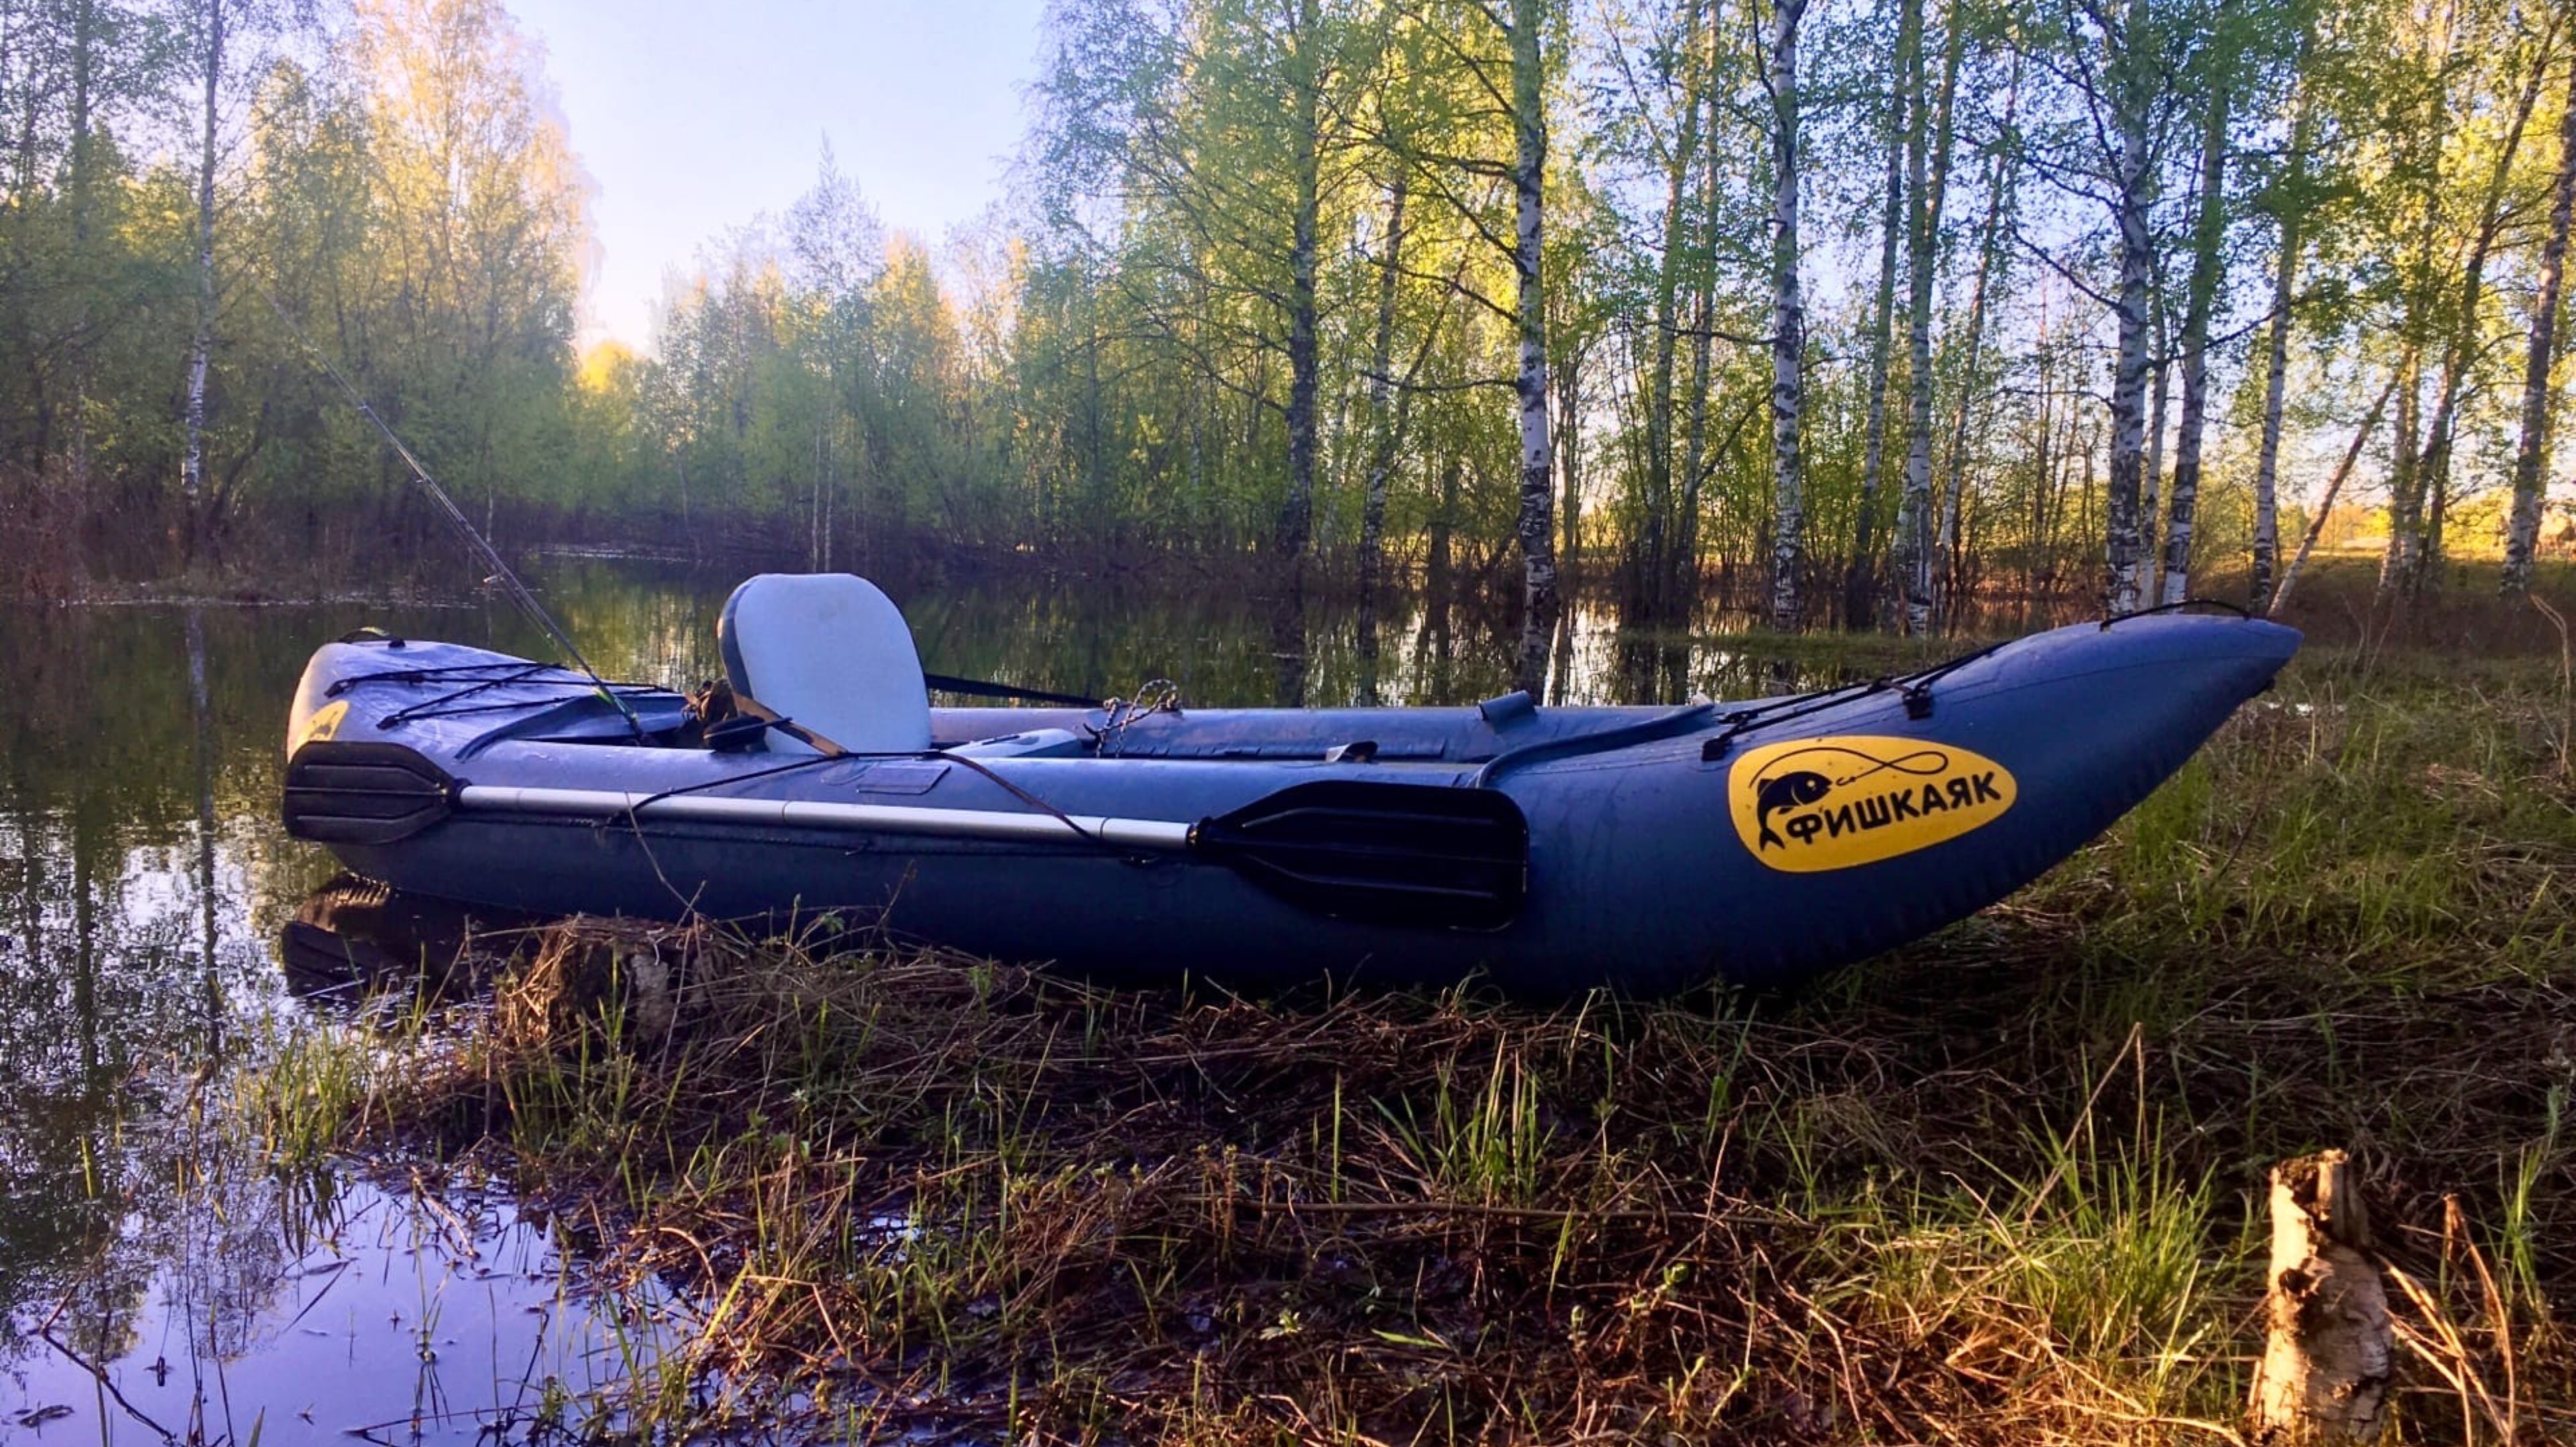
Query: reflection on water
point(1223, 645)
point(386, 1315)
point(144, 882)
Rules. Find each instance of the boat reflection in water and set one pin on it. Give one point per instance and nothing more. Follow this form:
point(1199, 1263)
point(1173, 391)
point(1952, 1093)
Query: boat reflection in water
point(358, 945)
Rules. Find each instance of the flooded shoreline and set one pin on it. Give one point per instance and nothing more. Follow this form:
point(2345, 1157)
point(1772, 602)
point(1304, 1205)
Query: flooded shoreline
point(155, 1275)
point(391, 1313)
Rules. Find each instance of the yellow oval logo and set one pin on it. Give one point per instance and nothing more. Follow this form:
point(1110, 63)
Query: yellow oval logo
point(1832, 803)
point(325, 723)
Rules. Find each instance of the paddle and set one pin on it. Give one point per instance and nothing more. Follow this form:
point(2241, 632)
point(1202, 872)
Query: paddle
point(1387, 853)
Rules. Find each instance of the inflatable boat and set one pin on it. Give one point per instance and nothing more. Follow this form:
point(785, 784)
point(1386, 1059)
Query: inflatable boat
point(1546, 849)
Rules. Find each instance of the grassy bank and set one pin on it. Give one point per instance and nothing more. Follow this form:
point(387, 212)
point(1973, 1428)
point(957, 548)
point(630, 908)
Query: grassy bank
point(2002, 1186)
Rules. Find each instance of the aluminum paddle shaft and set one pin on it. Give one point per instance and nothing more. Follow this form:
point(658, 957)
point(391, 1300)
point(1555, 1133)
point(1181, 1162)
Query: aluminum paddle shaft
point(609, 804)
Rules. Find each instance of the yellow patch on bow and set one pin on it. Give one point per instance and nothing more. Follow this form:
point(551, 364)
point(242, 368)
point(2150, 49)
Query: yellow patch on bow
point(1805, 805)
point(324, 724)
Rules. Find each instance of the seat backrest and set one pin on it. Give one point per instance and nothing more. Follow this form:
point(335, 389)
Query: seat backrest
point(831, 652)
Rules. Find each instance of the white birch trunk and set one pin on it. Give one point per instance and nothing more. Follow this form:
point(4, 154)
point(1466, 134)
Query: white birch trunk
point(2405, 480)
point(192, 457)
point(2330, 1346)
point(2208, 260)
point(1529, 187)
point(1296, 516)
point(1382, 412)
point(2531, 453)
point(2151, 484)
point(1914, 541)
point(2134, 182)
point(83, 167)
point(1788, 321)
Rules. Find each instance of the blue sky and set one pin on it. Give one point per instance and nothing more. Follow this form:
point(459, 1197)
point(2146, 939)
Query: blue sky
point(694, 117)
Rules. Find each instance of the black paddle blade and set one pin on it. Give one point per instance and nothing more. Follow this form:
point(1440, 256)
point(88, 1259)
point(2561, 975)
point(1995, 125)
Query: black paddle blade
point(351, 792)
point(1401, 854)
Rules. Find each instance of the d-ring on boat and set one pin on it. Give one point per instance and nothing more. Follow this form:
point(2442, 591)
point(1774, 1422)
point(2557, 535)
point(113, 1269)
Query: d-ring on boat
point(1549, 849)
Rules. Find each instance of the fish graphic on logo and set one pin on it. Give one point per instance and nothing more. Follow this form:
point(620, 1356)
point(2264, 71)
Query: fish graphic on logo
point(1788, 791)
point(325, 723)
point(1832, 803)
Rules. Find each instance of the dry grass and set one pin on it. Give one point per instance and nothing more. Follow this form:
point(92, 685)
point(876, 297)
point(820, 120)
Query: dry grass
point(2000, 1187)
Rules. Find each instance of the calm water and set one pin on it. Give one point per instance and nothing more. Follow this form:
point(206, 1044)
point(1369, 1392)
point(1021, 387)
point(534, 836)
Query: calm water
point(154, 1282)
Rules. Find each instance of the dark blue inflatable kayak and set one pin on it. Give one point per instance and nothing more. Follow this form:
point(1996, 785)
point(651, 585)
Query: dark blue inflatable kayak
point(1548, 849)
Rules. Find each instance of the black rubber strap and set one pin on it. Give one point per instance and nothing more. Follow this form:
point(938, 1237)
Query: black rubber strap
point(979, 688)
point(2175, 607)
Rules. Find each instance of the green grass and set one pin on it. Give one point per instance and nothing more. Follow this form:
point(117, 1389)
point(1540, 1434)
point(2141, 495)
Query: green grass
point(2005, 1185)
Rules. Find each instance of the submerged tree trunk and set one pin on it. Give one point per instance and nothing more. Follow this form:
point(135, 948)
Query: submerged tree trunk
point(1788, 321)
point(1381, 399)
point(1858, 604)
point(192, 457)
point(1652, 565)
point(1695, 445)
point(2207, 261)
point(1529, 176)
point(84, 166)
point(1296, 515)
point(2531, 454)
point(202, 731)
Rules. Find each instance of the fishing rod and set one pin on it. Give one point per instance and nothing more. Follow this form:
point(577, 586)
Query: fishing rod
point(518, 591)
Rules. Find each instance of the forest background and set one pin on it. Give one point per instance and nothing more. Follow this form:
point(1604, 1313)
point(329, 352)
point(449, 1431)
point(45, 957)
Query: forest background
point(1836, 310)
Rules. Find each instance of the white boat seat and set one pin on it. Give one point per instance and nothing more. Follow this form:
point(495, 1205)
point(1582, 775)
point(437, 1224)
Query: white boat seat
point(832, 652)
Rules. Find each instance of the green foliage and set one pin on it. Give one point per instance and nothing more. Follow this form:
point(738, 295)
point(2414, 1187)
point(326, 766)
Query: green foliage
point(1167, 340)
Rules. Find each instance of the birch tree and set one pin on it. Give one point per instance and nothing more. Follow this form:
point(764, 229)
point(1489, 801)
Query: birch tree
point(1655, 565)
point(221, 28)
point(2209, 236)
point(1788, 321)
point(2290, 204)
point(1220, 135)
point(1927, 161)
point(1859, 575)
point(1505, 87)
point(2107, 154)
point(1529, 191)
point(2001, 184)
point(201, 339)
point(2531, 451)
point(2420, 491)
